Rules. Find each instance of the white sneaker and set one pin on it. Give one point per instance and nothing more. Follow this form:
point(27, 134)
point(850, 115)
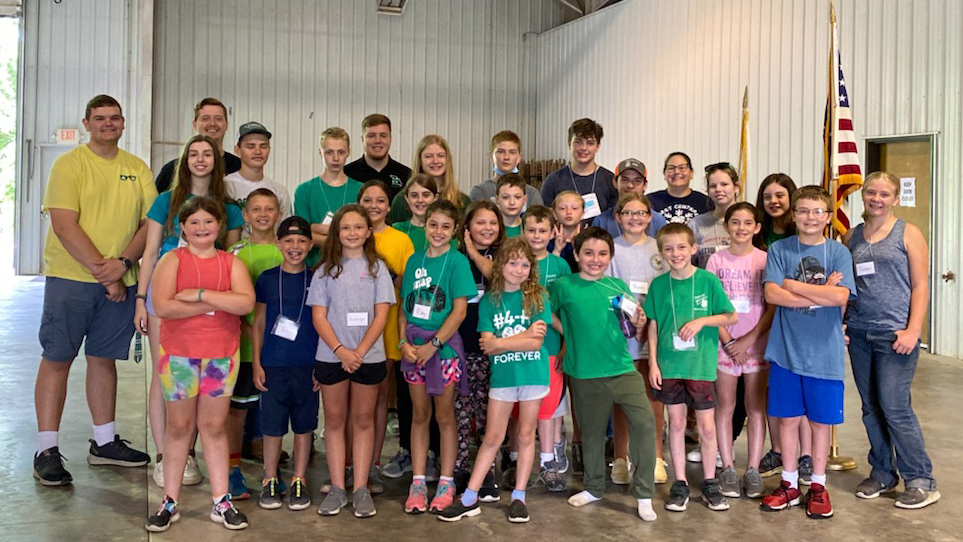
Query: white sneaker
point(159, 473)
point(695, 456)
point(621, 471)
point(192, 473)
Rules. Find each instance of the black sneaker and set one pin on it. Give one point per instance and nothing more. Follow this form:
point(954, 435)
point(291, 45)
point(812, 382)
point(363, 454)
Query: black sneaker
point(224, 512)
point(117, 453)
point(578, 466)
point(518, 512)
point(550, 477)
point(270, 498)
point(771, 464)
point(299, 497)
point(456, 510)
point(712, 495)
point(489, 491)
point(678, 497)
point(161, 520)
point(805, 468)
point(48, 468)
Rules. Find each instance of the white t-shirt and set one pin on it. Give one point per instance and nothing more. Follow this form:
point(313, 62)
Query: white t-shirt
point(238, 189)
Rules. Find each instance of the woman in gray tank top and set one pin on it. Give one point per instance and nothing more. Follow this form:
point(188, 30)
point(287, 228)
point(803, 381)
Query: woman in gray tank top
point(884, 324)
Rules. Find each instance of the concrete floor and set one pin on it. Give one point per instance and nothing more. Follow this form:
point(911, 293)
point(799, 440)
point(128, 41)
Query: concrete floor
point(107, 503)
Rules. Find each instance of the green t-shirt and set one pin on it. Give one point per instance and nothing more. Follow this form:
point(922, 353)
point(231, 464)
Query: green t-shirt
point(550, 269)
point(506, 319)
point(400, 211)
point(434, 283)
point(672, 303)
point(314, 199)
point(595, 346)
point(513, 231)
point(258, 259)
point(415, 233)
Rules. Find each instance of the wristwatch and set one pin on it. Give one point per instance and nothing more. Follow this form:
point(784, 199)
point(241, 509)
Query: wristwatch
point(127, 263)
point(435, 342)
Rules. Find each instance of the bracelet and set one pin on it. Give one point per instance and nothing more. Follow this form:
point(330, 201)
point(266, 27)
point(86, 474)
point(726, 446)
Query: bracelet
point(141, 296)
point(199, 293)
point(401, 342)
point(730, 343)
point(336, 348)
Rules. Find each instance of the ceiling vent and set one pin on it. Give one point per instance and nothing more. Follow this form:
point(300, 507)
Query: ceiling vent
point(392, 7)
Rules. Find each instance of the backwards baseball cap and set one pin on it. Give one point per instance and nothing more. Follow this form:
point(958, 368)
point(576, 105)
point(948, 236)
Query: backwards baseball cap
point(631, 163)
point(252, 128)
point(294, 225)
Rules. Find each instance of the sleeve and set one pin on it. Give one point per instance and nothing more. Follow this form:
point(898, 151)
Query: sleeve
point(159, 208)
point(318, 292)
point(285, 199)
point(546, 314)
point(486, 316)
point(775, 269)
point(648, 306)
point(563, 270)
point(556, 295)
point(534, 196)
point(476, 193)
point(259, 289)
point(843, 262)
point(462, 282)
point(302, 202)
point(719, 301)
point(548, 189)
point(384, 289)
point(235, 219)
point(165, 177)
point(712, 265)
point(147, 188)
point(63, 185)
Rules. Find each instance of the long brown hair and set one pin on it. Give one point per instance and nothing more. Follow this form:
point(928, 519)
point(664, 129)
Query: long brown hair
point(332, 252)
point(181, 188)
point(447, 187)
point(783, 180)
point(473, 209)
point(533, 293)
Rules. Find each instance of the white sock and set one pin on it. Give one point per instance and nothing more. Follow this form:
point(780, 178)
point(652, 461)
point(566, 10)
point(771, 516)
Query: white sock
point(513, 456)
point(545, 457)
point(818, 479)
point(582, 498)
point(104, 434)
point(792, 478)
point(645, 510)
point(46, 440)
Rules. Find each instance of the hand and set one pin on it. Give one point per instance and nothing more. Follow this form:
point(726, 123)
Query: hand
point(639, 318)
point(408, 352)
point(350, 360)
point(905, 341)
point(578, 229)
point(107, 270)
point(655, 375)
point(467, 237)
point(116, 292)
point(834, 278)
point(691, 329)
point(558, 364)
point(424, 353)
point(488, 345)
point(140, 318)
point(259, 377)
point(559, 234)
point(740, 348)
point(537, 330)
point(188, 296)
point(846, 337)
point(315, 385)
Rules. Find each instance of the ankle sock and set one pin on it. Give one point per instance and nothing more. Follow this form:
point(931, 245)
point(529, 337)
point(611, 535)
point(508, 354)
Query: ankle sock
point(469, 497)
point(448, 479)
point(46, 440)
point(518, 495)
point(818, 479)
point(416, 480)
point(104, 434)
point(791, 477)
point(217, 500)
point(545, 457)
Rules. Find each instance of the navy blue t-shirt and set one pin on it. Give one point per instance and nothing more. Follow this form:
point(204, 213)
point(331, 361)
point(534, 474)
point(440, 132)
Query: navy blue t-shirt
point(278, 351)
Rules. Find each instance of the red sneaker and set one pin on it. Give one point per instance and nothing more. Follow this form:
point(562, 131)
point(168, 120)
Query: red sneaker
point(444, 496)
point(783, 497)
point(817, 502)
point(417, 501)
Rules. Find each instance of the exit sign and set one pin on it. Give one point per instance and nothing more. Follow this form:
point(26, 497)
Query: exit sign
point(68, 136)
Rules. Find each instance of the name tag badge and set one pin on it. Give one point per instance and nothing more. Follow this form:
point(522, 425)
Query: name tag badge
point(357, 319)
point(741, 304)
point(628, 306)
point(328, 217)
point(679, 344)
point(590, 204)
point(421, 311)
point(478, 297)
point(285, 328)
point(209, 313)
point(639, 287)
point(865, 268)
point(181, 242)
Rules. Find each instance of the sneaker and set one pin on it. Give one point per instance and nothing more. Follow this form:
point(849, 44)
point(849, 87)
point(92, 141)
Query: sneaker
point(236, 485)
point(771, 464)
point(117, 453)
point(817, 502)
point(712, 495)
point(729, 482)
point(561, 459)
point(333, 502)
point(270, 497)
point(192, 473)
point(518, 512)
point(444, 496)
point(621, 472)
point(578, 466)
point(489, 491)
point(375, 483)
point(695, 456)
point(805, 467)
point(457, 510)
point(870, 489)
point(161, 520)
point(362, 503)
point(678, 497)
point(914, 498)
point(783, 497)
point(432, 469)
point(48, 468)
point(300, 496)
point(393, 427)
point(508, 474)
point(661, 476)
point(158, 474)
point(550, 478)
point(348, 480)
point(398, 466)
point(224, 512)
point(417, 502)
point(752, 480)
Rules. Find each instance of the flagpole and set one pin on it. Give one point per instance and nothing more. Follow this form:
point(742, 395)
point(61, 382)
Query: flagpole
point(744, 145)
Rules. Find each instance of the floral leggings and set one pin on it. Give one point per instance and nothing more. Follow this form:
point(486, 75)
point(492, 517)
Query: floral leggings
point(474, 406)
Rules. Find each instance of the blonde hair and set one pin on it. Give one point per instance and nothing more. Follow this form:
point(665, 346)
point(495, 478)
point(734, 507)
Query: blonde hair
point(886, 176)
point(566, 193)
point(533, 293)
point(334, 132)
point(447, 187)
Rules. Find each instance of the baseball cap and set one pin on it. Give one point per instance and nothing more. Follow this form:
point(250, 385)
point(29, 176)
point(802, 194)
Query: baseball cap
point(252, 128)
point(294, 225)
point(631, 163)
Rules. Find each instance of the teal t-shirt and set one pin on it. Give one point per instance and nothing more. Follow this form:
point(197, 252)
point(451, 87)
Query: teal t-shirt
point(672, 303)
point(258, 259)
point(506, 318)
point(595, 346)
point(161, 207)
point(415, 233)
point(315, 199)
point(434, 283)
point(513, 231)
point(550, 269)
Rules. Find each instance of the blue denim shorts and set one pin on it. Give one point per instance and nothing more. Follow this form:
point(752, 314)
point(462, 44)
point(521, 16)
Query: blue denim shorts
point(78, 313)
point(792, 395)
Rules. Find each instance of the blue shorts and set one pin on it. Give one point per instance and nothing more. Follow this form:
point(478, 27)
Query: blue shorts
point(792, 395)
point(289, 398)
point(78, 313)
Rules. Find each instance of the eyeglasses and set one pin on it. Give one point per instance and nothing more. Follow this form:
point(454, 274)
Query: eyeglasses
point(682, 168)
point(818, 213)
point(637, 214)
point(128, 177)
point(717, 166)
point(626, 180)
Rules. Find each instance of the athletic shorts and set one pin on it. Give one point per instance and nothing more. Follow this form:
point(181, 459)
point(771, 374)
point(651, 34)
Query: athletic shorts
point(184, 378)
point(450, 373)
point(515, 394)
point(696, 394)
point(330, 373)
point(289, 399)
point(74, 311)
point(754, 364)
point(792, 395)
point(246, 394)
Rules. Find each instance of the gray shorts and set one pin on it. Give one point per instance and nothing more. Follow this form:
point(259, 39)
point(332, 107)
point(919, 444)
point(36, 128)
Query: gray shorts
point(518, 393)
point(73, 311)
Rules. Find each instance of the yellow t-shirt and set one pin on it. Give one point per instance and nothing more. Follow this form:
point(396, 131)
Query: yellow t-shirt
point(395, 248)
point(111, 197)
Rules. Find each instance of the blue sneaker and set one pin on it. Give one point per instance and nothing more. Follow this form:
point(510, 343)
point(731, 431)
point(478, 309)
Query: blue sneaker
point(236, 485)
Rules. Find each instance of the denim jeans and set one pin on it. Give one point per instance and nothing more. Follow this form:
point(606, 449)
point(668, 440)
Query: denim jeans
point(883, 379)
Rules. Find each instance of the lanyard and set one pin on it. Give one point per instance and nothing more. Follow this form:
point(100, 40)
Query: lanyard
point(443, 266)
point(198, 269)
point(304, 295)
point(675, 324)
point(870, 242)
point(571, 175)
point(344, 195)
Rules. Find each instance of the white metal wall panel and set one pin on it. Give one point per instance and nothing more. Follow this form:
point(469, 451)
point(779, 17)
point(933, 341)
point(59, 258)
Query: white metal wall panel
point(664, 75)
point(460, 69)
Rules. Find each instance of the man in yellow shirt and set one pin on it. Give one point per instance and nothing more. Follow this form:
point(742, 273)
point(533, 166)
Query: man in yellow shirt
point(97, 197)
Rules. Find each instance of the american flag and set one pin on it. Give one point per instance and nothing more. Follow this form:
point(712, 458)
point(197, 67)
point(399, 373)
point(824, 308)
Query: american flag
point(841, 172)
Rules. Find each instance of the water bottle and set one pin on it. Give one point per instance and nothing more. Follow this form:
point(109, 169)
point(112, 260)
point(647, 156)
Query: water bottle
point(138, 347)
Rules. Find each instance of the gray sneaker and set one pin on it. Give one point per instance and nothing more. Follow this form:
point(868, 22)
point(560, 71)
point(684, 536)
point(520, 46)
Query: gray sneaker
point(432, 470)
point(550, 477)
point(805, 470)
point(713, 496)
point(561, 460)
point(916, 497)
point(348, 480)
point(398, 466)
point(870, 489)
point(363, 504)
point(333, 502)
point(375, 483)
point(771, 464)
point(299, 496)
point(729, 482)
point(270, 498)
point(752, 480)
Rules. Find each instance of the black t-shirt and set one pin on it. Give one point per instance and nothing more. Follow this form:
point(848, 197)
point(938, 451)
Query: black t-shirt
point(680, 210)
point(468, 330)
point(394, 175)
point(599, 182)
point(166, 176)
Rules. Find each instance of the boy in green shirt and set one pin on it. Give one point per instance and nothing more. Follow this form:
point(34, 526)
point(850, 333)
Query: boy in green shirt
point(687, 306)
point(594, 309)
point(510, 199)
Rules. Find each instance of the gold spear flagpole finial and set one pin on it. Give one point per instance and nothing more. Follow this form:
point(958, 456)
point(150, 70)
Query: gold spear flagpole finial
point(832, 13)
point(745, 97)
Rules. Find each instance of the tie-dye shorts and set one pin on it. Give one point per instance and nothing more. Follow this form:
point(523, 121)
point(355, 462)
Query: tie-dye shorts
point(450, 373)
point(184, 378)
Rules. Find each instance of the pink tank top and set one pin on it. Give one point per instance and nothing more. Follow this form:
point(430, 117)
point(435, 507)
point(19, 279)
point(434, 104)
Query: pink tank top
point(202, 336)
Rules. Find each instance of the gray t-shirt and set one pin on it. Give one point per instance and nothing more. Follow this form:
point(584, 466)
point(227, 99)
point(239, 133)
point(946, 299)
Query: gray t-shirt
point(486, 191)
point(710, 235)
point(637, 265)
point(351, 300)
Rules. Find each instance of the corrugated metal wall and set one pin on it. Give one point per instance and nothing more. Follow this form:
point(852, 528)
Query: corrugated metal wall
point(662, 75)
point(462, 69)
